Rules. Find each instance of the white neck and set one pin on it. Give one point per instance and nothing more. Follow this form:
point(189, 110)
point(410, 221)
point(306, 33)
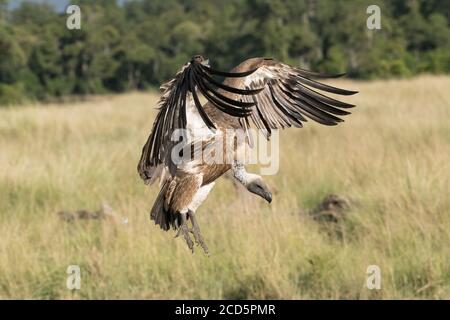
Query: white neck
point(242, 175)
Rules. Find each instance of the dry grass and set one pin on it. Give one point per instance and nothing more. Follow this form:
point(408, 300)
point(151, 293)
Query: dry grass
point(392, 155)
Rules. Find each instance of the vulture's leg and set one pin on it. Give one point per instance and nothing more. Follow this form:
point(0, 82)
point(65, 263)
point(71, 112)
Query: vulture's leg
point(184, 230)
point(196, 232)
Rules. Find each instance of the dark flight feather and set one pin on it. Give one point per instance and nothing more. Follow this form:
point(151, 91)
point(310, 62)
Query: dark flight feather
point(172, 111)
point(289, 99)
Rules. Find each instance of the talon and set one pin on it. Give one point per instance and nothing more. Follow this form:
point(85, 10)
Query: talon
point(184, 230)
point(196, 232)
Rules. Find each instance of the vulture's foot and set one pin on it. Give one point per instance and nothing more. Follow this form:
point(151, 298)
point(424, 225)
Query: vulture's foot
point(184, 231)
point(196, 232)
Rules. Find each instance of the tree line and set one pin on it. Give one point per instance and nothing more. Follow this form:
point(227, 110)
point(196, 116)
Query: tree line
point(135, 45)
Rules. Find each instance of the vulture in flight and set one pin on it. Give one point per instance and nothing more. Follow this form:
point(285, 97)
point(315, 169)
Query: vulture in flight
point(263, 91)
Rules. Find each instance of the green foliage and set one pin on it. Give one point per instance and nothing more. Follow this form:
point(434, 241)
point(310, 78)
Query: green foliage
point(139, 44)
point(10, 94)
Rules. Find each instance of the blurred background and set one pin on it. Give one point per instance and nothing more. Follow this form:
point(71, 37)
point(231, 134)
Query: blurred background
point(76, 107)
point(128, 45)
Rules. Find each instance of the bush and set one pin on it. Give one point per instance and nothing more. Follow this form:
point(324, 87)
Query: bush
point(437, 61)
point(11, 94)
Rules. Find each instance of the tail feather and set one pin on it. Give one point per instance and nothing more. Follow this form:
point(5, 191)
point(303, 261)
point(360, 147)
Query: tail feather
point(162, 215)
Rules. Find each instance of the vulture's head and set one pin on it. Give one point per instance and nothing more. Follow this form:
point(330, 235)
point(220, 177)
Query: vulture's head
point(260, 188)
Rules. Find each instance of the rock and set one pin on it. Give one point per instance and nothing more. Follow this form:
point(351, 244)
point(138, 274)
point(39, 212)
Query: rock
point(105, 213)
point(331, 213)
point(332, 208)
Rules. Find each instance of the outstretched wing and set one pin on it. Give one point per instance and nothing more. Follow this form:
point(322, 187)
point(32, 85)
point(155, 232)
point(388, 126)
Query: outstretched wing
point(288, 97)
point(180, 93)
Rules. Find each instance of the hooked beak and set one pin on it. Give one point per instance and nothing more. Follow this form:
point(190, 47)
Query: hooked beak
point(268, 197)
point(261, 190)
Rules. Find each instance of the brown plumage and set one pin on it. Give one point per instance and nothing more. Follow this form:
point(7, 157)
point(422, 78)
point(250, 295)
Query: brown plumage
point(262, 91)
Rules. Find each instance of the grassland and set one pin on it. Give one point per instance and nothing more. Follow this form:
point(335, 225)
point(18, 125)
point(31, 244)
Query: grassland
point(392, 156)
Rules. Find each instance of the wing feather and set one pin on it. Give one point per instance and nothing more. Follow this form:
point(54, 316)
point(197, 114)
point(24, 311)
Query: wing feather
point(172, 112)
point(272, 94)
point(290, 96)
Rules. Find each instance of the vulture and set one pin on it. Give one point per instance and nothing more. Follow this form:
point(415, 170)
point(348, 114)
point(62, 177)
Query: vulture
point(264, 92)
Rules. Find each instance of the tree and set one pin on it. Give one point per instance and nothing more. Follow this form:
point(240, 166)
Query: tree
point(138, 44)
